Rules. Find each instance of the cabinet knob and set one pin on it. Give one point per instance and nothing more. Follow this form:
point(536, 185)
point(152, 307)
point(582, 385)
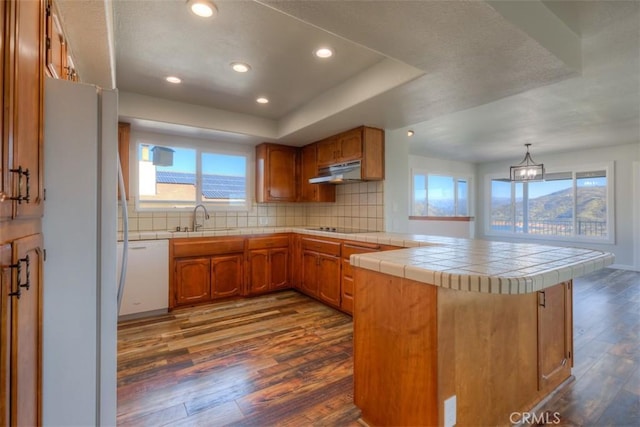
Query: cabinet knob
point(3, 197)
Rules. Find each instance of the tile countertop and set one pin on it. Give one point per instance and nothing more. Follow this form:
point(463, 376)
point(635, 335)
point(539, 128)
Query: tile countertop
point(462, 264)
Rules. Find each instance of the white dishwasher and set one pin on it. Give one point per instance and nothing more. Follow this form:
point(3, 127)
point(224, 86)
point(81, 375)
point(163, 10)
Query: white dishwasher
point(146, 288)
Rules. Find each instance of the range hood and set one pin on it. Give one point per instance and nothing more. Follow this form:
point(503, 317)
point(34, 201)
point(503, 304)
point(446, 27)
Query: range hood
point(341, 173)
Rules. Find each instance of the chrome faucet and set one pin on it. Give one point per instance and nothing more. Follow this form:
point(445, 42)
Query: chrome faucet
point(195, 217)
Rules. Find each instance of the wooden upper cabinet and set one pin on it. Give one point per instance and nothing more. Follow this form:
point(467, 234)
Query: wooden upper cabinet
point(26, 91)
point(341, 148)
point(124, 134)
point(59, 63)
point(327, 150)
point(309, 169)
point(555, 337)
point(349, 145)
point(5, 187)
point(276, 173)
point(363, 143)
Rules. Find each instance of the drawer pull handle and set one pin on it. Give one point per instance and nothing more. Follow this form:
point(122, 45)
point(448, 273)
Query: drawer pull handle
point(22, 172)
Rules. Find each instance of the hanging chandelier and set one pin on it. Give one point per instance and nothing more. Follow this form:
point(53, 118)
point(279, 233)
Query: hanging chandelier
point(527, 169)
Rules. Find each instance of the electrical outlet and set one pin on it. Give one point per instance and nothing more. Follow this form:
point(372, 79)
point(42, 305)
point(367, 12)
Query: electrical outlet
point(263, 221)
point(450, 412)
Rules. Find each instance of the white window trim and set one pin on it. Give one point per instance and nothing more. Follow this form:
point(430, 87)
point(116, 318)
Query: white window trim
point(455, 176)
point(205, 146)
point(609, 167)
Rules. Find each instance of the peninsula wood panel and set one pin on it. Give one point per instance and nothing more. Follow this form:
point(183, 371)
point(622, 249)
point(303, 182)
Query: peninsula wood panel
point(480, 347)
point(487, 355)
point(395, 376)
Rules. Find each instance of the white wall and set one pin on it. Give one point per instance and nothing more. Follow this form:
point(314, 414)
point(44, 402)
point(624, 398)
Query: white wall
point(397, 188)
point(433, 165)
point(636, 214)
point(396, 182)
point(623, 156)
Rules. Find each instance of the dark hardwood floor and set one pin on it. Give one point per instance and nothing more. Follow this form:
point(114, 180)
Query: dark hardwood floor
point(285, 359)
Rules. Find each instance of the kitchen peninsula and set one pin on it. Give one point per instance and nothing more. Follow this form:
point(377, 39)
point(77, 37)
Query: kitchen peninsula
point(487, 322)
point(463, 332)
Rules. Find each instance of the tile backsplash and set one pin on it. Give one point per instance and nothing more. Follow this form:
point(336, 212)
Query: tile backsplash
point(358, 205)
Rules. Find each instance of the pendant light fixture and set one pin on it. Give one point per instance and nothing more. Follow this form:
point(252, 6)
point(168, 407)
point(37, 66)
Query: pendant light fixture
point(527, 169)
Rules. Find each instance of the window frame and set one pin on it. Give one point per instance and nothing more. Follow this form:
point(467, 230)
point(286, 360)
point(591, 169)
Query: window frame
point(200, 148)
point(457, 177)
point(608, 167)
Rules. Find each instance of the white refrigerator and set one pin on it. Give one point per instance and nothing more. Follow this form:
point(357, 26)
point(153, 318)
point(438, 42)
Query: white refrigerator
point(80, 225)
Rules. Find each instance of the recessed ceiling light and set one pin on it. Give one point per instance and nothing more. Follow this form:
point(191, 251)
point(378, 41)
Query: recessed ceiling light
point(324, 52)
point(203, 8)
point(409, 133)
point(174, 79)
point(262, 100)
point(240, 67)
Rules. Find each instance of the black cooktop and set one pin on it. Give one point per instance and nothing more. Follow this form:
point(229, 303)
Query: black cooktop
point(339, 230)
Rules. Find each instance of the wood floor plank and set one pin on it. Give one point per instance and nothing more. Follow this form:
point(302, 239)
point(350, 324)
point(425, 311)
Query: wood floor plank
point(284, 359)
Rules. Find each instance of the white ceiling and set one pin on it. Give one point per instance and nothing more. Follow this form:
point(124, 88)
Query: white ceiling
point(475, 80)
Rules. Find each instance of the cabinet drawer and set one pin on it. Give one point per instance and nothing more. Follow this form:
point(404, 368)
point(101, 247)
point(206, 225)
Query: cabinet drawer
point(322, 246)
point(268, 242)
point(204, 247)
point(350, 248)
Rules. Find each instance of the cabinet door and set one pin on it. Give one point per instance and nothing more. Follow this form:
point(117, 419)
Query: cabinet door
point(281, 173)
point(124, 132)
point(226, 275)
point(309, 280)
point(5, 332)
point(279, 266)
point(27, 332)
point(192, 280)
point(346, 299)
point(28, 85)
point(258, 271)
point(309, 169)
point(5, 162)
point(56, 51)
point(327, 151)
point(329, 279)
point(554, 335)
point(350, 144)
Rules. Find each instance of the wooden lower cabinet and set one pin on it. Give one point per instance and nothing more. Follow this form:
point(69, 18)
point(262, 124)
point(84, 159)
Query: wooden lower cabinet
point(268, 270)
point(205, 269)
point(320, 269)
point(555, 335)
point(268, 264)
point(309, 273)
point(21, 331)
point(328, 277)
point(192, 280)
point(226, 275)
